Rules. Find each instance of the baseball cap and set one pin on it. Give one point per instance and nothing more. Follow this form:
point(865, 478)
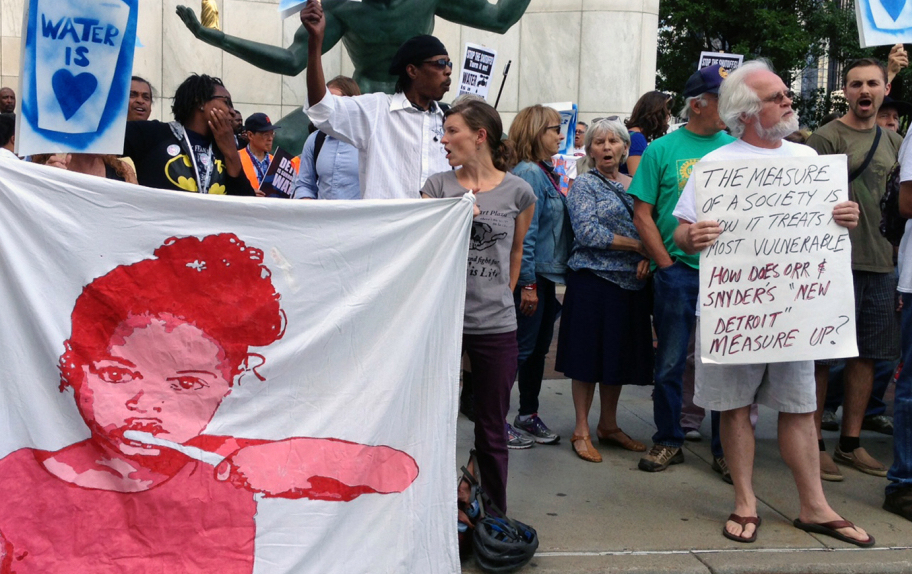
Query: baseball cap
point(705, 81)
point(259, 122)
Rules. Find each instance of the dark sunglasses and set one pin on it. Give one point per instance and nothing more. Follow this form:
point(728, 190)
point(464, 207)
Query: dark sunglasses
point(555, 128)
point(779, 96)
point(440, 64)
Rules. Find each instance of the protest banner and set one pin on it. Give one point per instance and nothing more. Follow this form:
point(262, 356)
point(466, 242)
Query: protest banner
point(77, 60)
point(205, 384)
point(477, 69)
point(280, 177)
point(777, 283)
point(883, 22)
point(729, 62)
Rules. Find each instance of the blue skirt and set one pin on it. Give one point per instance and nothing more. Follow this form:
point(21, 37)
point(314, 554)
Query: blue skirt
point(605, 333)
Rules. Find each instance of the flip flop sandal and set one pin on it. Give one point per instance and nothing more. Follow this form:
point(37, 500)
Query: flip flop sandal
point(831, 529)
point(743, 521)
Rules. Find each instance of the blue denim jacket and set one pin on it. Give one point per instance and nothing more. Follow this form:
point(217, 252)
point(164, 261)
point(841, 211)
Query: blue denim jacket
point(546, 247)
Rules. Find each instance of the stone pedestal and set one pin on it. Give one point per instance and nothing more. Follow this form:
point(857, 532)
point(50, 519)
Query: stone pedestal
point(600, 54)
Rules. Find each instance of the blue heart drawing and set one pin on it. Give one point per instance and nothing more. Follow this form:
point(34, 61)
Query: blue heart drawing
point(893, 7)
point(73, 91)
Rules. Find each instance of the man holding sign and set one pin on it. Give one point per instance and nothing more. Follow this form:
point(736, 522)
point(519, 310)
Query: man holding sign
point(757, 107)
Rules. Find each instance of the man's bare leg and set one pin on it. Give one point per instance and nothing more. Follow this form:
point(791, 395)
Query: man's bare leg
point(737, 436)
point(859, 379)
point(798, 446)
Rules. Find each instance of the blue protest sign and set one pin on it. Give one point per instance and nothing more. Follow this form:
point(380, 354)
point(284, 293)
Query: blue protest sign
point(77, 59)
point(883, 22)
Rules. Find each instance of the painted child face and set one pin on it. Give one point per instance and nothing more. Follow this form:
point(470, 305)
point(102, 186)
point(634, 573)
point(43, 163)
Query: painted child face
point(162, 376)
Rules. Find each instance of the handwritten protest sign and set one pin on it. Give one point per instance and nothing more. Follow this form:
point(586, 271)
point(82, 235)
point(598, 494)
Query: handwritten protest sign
point(477, 68)
point(883, 22)
point(77, 59)
point(777, 284)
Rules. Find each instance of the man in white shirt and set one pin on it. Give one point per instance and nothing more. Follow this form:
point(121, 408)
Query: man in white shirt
point(398, 137)
point(757, 106)
point(7, 136)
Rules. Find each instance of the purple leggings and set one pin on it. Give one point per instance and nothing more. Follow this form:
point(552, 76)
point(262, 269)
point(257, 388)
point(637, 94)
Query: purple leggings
point(493, 359)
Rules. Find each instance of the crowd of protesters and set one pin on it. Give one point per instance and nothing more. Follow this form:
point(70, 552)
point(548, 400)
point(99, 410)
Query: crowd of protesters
point(624, 242)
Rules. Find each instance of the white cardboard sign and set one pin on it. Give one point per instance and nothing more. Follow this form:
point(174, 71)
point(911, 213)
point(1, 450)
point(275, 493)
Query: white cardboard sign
point(777, 284)
point(477, 70)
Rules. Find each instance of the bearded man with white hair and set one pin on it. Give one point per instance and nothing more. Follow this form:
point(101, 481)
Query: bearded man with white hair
point(757, 106)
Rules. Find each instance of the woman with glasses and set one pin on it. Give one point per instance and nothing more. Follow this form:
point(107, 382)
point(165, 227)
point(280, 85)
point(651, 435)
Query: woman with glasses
point(605, 335)
point(197, 152)
point(648, 121)
point(535, 135)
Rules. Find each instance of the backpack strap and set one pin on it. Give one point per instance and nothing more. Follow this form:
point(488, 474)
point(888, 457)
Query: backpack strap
point(854, 175)
point(318, 145)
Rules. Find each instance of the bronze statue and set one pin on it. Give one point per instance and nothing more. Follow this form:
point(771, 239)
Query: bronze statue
point(372, 31)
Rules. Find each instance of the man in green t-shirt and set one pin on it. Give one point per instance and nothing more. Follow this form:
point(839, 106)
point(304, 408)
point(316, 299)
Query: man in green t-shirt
point(876, 321)
point(664, 169)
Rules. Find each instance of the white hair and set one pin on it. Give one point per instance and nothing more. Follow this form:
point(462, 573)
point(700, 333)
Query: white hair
point(737, 100)
point(599, 128)
point(701, 101)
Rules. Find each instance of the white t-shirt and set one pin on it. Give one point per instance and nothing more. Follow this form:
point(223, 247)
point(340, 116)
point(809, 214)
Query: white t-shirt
point(686, 209)
point(905, 249)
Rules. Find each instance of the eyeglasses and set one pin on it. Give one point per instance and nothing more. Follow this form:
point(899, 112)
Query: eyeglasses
point(555, 128)
point(779, 96)
point(440, 64)
point(227, 99)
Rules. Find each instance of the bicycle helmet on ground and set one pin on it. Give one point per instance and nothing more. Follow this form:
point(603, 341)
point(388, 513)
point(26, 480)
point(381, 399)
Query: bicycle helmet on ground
point(503, 545)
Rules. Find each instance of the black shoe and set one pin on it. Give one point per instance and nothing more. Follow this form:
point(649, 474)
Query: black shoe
point(878, 423)
point(899, 502)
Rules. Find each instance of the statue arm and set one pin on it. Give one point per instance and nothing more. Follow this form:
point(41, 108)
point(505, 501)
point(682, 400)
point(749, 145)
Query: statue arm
point(289, 61)
point(482, 14)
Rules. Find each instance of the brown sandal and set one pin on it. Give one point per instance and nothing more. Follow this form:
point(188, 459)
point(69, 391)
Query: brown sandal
point(585, 450)
point(617, 437)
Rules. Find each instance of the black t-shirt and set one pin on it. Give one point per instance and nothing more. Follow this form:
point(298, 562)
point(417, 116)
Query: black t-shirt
point(162, 161)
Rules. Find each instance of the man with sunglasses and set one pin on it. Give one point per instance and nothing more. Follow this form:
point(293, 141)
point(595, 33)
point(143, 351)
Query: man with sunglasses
point(663, 171)
point(872, 152)
point(398, 136)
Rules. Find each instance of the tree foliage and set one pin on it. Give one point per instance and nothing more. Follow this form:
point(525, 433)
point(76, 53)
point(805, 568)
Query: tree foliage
point(791, 34)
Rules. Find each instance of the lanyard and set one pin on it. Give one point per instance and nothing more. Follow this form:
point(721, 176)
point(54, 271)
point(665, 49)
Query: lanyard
point(202, 177)
point(550, 177)
point(261, 167)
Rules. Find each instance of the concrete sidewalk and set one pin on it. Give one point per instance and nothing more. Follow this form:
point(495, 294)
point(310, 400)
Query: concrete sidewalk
point(612, 517)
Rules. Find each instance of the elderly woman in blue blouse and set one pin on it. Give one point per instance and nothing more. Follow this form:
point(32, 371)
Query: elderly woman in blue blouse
point(535, 135)
point(605, 335)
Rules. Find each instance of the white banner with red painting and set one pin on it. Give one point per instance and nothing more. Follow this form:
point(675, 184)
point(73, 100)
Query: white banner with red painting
point(204, 384)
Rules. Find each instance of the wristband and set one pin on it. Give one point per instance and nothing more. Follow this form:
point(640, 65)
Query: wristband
point(530, 287)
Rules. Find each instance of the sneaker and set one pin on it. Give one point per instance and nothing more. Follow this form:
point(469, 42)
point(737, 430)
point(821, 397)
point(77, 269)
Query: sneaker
point(899, 502)
point(719, 465)
point(516, 440)
point(537, 430)
point(660, 457)
point(829, 421)
point(828, 469)
point(692, 435)
point(861, 460)
point(878, 423)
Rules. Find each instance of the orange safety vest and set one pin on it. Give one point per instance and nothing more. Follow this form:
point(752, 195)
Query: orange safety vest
point(250, 169)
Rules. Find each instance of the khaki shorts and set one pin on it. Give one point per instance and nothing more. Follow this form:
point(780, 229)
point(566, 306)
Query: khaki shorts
point(784, 387)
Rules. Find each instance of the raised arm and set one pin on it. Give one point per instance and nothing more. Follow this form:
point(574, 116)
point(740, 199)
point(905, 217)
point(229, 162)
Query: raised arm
point(482, 14)
point(289, 61)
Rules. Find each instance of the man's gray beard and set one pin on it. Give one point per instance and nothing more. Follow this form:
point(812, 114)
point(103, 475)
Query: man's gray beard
point(780, 130)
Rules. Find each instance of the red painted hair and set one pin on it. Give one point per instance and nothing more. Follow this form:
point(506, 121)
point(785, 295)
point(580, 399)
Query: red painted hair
point(217, 284)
